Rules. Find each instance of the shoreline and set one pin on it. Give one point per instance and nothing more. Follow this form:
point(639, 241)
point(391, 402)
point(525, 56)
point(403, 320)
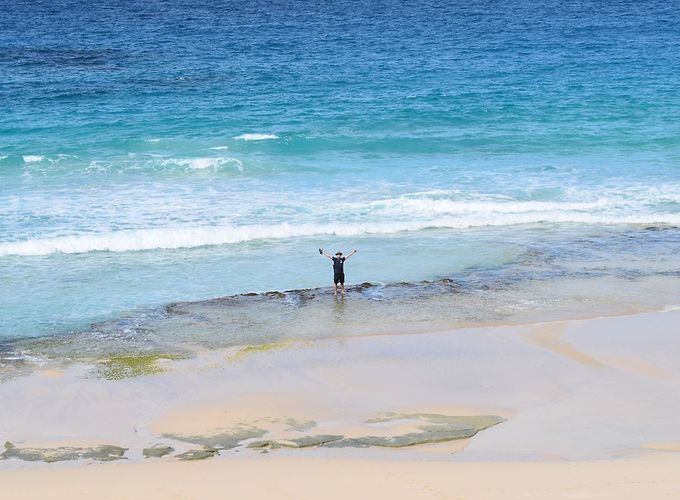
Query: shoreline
point(312, 315)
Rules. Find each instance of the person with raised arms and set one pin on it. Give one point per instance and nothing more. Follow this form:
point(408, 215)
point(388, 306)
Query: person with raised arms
point(338, 269)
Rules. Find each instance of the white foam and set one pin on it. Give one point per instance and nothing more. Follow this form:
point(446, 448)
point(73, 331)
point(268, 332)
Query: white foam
point(33, 158)
point(190, 237)
point(2, 157)
point(152, 140)
point(203, 163)
point(443, 206)
point(220, 148)
point(256, 137)
point(154, 162)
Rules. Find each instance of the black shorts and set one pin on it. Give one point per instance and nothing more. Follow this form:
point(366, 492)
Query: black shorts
point(338, 278)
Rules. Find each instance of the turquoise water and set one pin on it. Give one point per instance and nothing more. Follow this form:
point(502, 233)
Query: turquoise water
point(152, 152)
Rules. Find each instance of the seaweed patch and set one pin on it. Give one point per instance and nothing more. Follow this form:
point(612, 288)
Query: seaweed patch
point(124, 367)
point(274, 346)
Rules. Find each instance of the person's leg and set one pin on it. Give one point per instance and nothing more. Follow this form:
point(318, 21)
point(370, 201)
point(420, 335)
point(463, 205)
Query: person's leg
point(335, 288)
point(342, 284)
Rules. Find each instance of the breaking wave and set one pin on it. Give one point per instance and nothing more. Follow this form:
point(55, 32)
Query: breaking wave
point(33, 158)
point(157, 163)
point(203, 163)
point(192, 237)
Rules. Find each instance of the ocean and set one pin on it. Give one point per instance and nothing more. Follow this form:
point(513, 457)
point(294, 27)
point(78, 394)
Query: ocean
point(487, 159)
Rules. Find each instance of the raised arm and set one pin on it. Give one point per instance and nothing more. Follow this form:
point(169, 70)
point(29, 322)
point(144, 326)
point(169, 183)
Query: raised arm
point(324, 253)
point(350, 254)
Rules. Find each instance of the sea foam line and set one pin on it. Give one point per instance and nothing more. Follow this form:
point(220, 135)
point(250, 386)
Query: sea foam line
point(192, 237)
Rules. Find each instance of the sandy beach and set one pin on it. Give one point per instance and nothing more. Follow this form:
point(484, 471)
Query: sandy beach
point(305, 478)
point(569, 409)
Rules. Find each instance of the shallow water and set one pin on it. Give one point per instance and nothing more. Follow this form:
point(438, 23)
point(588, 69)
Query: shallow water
point(609, 272)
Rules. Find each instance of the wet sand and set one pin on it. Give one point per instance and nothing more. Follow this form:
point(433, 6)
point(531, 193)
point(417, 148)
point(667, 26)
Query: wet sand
point(570, 409)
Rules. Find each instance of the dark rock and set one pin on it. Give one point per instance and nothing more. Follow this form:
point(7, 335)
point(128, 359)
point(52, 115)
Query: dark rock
point(302, 442)
point(157, 451)
point(430, 434)
point(101, 453)
point(197, 454)
point(225, 440)
point(345, 443)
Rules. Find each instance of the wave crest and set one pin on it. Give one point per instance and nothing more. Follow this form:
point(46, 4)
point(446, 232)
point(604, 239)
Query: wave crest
point(256, 137)
point(192, 237)
point(33, 158)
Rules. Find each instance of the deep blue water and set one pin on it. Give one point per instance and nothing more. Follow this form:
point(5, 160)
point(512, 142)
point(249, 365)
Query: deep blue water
point(157, 151)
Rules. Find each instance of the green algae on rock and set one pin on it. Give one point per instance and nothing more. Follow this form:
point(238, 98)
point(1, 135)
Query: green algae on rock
point(101, 453)
point(274, 346)
point(429, 434)
point(224, 440)
point(124, 367)
point(436, 428)
point(302, 442)
point(479, 421)
point(157, 451)
point(441, 428)
point(242, 353)
point(197, 454)
point(344, 443)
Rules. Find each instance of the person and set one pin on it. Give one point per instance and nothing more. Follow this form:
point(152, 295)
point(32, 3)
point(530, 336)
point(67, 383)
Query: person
point(338, 269)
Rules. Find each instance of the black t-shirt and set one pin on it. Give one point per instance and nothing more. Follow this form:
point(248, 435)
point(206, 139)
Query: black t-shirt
point(338, 265)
